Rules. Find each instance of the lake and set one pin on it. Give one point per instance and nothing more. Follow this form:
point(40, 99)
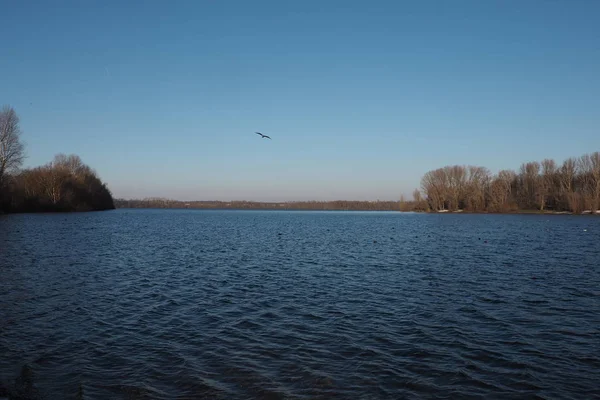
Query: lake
point(222, 304)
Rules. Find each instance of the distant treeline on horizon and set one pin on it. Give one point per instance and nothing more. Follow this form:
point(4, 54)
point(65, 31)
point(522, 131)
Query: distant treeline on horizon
point(256, 205)
point(67, 184)
point(573, 187)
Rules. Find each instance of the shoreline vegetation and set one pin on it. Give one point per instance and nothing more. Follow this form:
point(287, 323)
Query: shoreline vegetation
point(67, 184)
point(543, 187)
point(64, 184)
point(537, 188)
point(341, 205)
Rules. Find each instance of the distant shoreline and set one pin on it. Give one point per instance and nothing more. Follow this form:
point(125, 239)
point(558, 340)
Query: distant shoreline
point(381, 206)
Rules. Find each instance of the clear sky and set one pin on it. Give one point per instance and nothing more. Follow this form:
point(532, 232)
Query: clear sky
point(360, 97)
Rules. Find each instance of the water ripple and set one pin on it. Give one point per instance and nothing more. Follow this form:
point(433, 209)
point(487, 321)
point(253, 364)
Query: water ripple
point(138, 304)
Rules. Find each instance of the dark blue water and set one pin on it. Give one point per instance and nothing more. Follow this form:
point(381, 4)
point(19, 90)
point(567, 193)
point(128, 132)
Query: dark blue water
point(182, 304)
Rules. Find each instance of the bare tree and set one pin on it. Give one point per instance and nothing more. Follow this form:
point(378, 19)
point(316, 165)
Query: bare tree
point(419, 204)
point(417, 196)
point(497, 195)
point(589, 165)
point(595, 161)
point(478, 181)
point(72, 164)
point(567, 175)
point(435, 188)
point(529, 181)
point(546, 183)
point(456, 177)
point(501, 191)
point(11, 148)
point(52, 182)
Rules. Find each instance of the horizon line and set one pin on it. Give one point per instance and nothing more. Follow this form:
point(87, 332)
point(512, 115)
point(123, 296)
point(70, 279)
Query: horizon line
point(254, 201)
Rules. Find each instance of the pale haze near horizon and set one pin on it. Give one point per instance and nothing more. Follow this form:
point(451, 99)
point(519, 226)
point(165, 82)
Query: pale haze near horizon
point(360, 99)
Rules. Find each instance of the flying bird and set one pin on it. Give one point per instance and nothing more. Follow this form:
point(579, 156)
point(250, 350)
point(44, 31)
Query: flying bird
point(263, 136)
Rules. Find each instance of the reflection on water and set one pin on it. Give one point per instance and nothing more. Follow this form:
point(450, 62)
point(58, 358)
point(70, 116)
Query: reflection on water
point(171, 304)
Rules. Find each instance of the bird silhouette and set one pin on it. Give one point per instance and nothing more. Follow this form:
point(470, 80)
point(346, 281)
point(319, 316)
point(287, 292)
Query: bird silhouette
point(263, 136)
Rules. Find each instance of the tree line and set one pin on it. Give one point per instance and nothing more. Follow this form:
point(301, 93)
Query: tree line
point(67, 184)
point(338, 205)
point(573, 186)
point(64, 184)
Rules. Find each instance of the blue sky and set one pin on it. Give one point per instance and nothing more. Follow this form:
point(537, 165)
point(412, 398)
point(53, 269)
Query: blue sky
point(360, 98)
